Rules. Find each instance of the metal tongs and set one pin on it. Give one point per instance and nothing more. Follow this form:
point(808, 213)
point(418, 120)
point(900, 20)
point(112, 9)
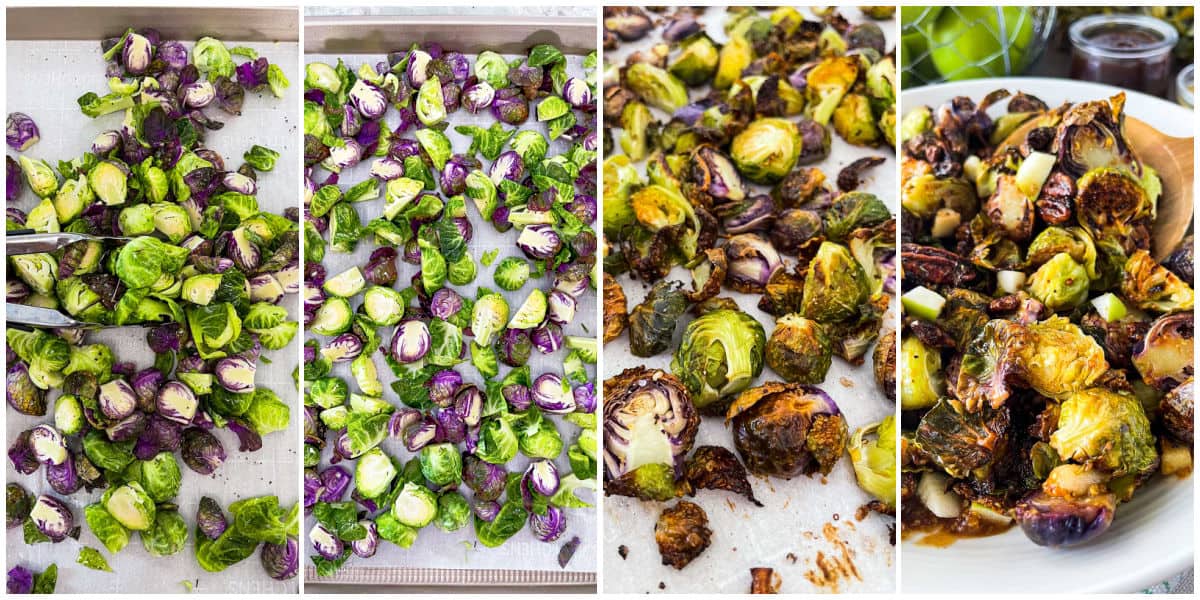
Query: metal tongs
point(24, 241)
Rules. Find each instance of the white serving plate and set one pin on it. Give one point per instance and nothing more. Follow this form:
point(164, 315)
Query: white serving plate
point(1151, 538)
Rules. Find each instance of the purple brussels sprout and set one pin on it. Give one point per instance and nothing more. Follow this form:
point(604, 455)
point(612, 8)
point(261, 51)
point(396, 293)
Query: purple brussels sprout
point(129, 428)
point(248, 439)
point(468, 403)
point(406, 119)
point(20, 454)
point(420, 434)
point(17, 291)
point(236, 374)
point(510, 107)
point(508, 165)
point(381, 266)
point(335, 481)
point(412, 252)
point(387, 169)
point(443, 387)
point(547, 337)
point(202, 452)
point(63, 478)
point(198, 94)
point(176, 402)
point(117, 399)
point(48, 445)
point(52, 517)
point(450, 427)
point(345, 156)
point(401, 420)
point(478, 96)
point(485, 510)
point(210, 519)
point(239, 183)
point(20, 580)
point(160, 435)
point(584, 208)
point(12, 178)
point(459, 65)
point(173, 54)
point(500, 219)
point(343, 348)
point(367, 546)
point(539, 241)
point(23, 395)
point(327, 545)
point(552, 394)
point(578, 94)
point(451, 95)
point(560, 307)
point(585, 244)
point(585, 398)
point(369, 99)
point(146, 384)
point(463, 225)
point(485, 479)
point(312, 488)
point(167, 337)
point(454, 176)
point(410, 342)
point(542, 477)
point(445, 303)
point(266, 288)
point(550, 526)
point(573, 278)
point(136, 54)
point(517, 396)
point(418, 65)
point(21, 131)
point(513, 347)
point(1056, 521)
point(281, 561)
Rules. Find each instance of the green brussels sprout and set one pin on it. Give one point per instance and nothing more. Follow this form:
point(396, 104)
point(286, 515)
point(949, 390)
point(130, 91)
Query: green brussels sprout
point(454, 512)
point(827, 83)
point(1073, 241)
point(492, 68)
point(836, 287)
point(159, 476)
point(107, 529)
point(68, 414)
point(322, 77)
point(39, 176)
point(854, 121)
point(167, 536)
point(488, 317)
point(1107, 429)
point(130, 505)
point(621, 178)
point(766, 150)
point(109, 183)
point(172, 221)
point(96, 359)
point(921, 378)
point(697, 60)
point(539, 438)
point(1060, 283)
point(734, 57)
point(720, 355)
point(923, 194)
point(72, 198)
point(915, 122)
point(430, 104)
point(345, 228)
point(436, 145)
point(887, 125)
point(511, 273)
point(136, 220)
point(415, 506)
point(874, 461)
point(38, 271)
point(636, 121)
point(441, 464)
point(851, 211)
point(881, 81)
point(1151, 286)
point(43, 218)
point(799, 350)
point(656, 87)
point(463, 270)
point(212, 58)
point(261, 158)
point(373, 474)
point(531, 313)
point(659, 207)
point(497, 441)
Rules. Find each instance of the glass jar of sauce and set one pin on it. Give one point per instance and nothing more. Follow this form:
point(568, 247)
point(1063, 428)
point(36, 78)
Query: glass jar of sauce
point(1128, 51)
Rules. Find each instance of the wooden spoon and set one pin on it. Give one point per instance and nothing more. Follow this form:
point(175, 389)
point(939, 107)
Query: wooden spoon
point(1173, 158)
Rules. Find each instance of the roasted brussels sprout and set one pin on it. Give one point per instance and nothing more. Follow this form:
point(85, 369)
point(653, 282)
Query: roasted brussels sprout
point(1059, 521)
point(874, 460)
point(1177, 412)
point(787, 429)
point(652, 323)
point(615, 313)
point(656, 86)
point(884, 364)
point(962, 442)
point(766, 150)
point(1164, 357)
point(1150, 286)
point(799, 350)
point(716, 468)
point(720, 355)
point(1105, 428)
point(1060, 283)
point(697, 60)
point(650, 424)
point(682, 534)
point(835, 287)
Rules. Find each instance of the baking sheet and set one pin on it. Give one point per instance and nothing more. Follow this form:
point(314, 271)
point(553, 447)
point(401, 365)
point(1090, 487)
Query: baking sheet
point(44, 79)
point(438, 557)
point(807, 530)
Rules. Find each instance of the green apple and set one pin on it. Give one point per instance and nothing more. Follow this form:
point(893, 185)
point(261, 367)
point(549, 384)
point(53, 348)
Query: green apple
point(968, 40)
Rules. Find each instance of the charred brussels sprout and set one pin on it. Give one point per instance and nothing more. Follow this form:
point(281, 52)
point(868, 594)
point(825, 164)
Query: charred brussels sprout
point(854, 122)
point(682, 534)
point(766, 150)
point(1164, 357)
point(716, 468)
point(787, 429)
point(720, 355)
point(1058, 521)
point(652, 323)
point(799, 350)
point(615, 312)
point(650, 424)
point(1106, 428)
point(835, 287)
point(656, 86)
point(1150, 286)
point(1112, 206)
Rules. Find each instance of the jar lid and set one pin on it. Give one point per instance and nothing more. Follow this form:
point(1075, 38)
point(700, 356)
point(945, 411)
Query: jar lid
point(1123, 36)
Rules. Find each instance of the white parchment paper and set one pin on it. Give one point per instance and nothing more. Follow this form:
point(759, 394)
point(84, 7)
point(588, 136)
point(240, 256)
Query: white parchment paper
point(806, 530)
point(434, 548)
point(44, 79)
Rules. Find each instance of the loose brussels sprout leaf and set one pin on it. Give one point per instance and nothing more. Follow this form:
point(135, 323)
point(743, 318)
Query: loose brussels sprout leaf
point(92, 559)
point(111, 533)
